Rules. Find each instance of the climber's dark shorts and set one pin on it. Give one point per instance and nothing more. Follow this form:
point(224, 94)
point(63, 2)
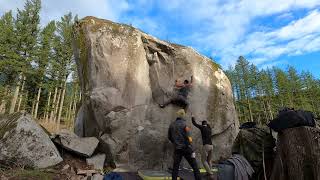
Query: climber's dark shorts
point(179, 101)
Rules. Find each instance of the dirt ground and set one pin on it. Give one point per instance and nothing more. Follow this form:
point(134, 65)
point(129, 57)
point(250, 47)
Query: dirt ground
point(63, 171)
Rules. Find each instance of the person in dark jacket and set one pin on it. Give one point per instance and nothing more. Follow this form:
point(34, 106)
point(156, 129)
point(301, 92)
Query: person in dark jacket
point(206, 134)
point(181, 98)
point(180, 135)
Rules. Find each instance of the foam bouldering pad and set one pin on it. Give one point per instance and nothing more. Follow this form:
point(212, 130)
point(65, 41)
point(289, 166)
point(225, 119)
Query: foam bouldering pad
point(184, 174)
point(154, 175)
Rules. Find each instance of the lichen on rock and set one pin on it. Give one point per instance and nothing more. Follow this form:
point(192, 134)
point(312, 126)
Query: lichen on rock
point(24, 143)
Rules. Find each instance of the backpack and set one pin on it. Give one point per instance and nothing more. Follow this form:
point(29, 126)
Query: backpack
point(289, 118)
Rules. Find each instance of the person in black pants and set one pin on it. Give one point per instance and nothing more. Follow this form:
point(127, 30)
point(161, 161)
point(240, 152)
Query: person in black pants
point(207, 149)
point(180, 135)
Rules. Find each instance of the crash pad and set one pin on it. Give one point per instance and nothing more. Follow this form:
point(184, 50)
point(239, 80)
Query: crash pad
point(214, 170)
point(154, 175)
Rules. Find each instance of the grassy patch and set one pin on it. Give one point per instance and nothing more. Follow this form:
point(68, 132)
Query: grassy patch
point(27, 174)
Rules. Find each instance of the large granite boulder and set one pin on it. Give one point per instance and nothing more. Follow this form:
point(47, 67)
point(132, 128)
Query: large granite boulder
point(125, 73)
point(23, 142)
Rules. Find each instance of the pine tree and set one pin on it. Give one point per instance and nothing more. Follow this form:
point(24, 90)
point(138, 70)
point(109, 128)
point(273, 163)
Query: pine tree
point(8, 58)
point(64, 56)
point(243, 72)
point(27, 29)
point(44, 56)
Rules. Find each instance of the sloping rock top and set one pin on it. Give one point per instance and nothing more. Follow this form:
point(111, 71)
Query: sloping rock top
point(125, 73)
point(23, 142)
point(82, 146)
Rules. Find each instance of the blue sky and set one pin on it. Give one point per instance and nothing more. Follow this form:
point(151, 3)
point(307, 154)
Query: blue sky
point(267, 32)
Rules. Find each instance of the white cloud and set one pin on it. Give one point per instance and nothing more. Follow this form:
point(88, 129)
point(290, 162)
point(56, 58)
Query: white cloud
point(107, 9)
point(298, 37)
point(301, 27)
point(226, 27)
point(54, 9)
point(285, 16)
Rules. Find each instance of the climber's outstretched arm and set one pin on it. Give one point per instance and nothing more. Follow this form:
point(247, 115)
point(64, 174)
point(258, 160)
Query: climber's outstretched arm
point(195, 123)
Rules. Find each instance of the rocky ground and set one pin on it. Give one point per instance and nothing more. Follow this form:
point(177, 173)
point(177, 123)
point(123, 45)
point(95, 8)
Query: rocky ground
point(29, 152)
point(65, 170)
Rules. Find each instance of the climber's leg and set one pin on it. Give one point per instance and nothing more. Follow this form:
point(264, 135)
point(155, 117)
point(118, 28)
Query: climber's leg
point(166, 103)
point(182, 102)
point(179, 101)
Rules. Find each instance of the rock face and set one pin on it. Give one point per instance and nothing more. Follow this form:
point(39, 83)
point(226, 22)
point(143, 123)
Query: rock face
point(124, 75)
point(24, 142)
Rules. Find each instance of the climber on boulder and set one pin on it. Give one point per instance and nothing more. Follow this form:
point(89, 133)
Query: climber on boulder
point(181, 98)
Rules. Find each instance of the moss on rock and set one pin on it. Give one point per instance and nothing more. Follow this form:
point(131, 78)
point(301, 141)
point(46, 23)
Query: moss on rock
point(8, 122)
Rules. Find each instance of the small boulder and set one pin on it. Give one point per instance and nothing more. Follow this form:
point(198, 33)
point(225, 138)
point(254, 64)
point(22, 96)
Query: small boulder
point(97, 161)
point(23, 142)
point(81, 146)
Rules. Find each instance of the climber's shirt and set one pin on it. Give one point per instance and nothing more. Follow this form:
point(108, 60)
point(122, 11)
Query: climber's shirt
point(184, 91)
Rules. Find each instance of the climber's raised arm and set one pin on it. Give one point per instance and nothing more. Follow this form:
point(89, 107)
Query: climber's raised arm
point(191, 82)
point(195, 123)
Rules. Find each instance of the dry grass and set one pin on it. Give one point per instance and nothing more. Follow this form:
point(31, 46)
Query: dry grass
point(49, 126)
point(53, 127)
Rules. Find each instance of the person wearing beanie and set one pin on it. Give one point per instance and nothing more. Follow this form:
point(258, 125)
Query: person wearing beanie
point(179, 135)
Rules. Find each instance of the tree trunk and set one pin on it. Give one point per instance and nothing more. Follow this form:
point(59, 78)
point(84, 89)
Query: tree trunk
point(37, 103)
point(270, 110)
point(56, 107)
point(4, 101)
point(298, 156)
point(3, 106)
point(15, 95)
point(46, 114)
point(51, 119)
point(265, 113)
point(68, 117)
point(24, 104)
point(32, 109)
point(74, 109)
point(21, 94)
point(61, 102)
point(249, 108)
